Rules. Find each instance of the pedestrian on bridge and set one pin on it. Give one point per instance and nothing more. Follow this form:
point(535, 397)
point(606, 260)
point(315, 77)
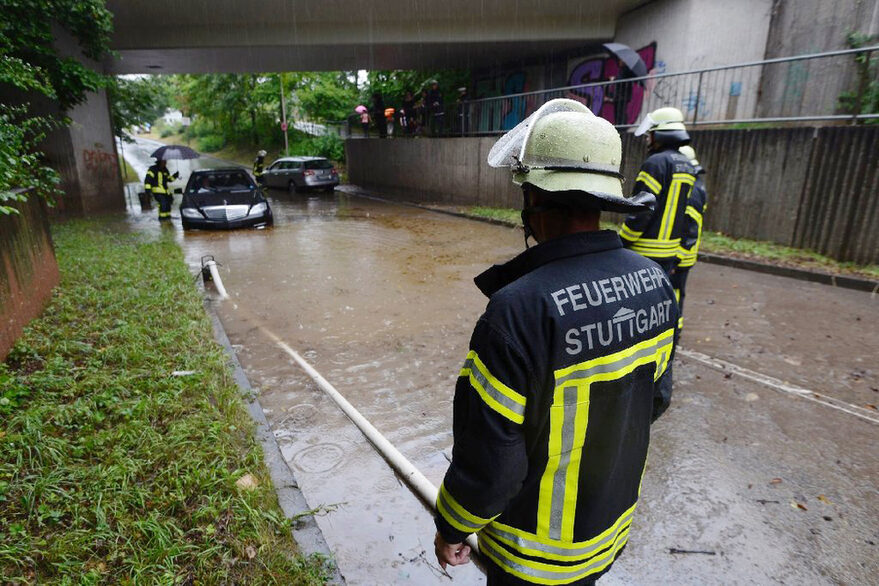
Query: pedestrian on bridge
point(378, 115)
point(158, 184)
point(669, 175)
point(697, 204)
point(553, 406)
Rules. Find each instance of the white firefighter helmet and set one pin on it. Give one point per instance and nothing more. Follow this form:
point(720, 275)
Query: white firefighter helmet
point(688, 152)
point(662, 119)
point(260, 153)
point(564, 149)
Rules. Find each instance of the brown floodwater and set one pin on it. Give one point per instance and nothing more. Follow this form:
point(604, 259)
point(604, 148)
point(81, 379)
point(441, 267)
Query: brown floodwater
point(378, 297)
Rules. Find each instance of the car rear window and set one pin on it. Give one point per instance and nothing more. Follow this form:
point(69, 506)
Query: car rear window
point(318, 164)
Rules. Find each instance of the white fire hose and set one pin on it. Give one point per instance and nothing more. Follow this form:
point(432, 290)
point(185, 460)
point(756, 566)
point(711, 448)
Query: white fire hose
point(208, 262)
point(413, 477)
point(424, 487)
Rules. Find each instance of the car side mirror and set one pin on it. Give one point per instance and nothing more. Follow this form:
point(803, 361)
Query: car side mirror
point(178, 190)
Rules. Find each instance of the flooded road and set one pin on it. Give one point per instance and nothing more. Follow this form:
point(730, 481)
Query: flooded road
point(379, 298)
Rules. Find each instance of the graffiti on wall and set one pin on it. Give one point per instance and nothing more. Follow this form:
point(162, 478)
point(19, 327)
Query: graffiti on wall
point(509, 112)
point(100, 163)
point(611, 102)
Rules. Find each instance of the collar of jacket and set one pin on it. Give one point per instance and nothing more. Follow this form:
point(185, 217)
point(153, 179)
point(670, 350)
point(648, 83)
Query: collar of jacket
point(499, 276)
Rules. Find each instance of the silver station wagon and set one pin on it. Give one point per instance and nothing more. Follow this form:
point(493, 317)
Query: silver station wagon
point(301, 174)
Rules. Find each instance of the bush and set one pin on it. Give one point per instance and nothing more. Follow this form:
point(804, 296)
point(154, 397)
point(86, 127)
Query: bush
point(328, 145)
point(211, 143)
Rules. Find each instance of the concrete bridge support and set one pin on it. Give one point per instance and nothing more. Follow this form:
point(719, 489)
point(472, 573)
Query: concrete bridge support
point(84, 153)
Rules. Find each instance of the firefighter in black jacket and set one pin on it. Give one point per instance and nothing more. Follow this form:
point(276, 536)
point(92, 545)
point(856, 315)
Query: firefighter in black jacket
point(554, 402)
point(259, 166)
point(158, 183)
point(669, 175)
point(697, 205)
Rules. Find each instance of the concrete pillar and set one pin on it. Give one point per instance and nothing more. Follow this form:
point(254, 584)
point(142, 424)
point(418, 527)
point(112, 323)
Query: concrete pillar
point(84, 153)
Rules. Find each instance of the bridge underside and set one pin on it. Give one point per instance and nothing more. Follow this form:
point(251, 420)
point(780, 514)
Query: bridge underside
point(334, 57)
point(226, 36)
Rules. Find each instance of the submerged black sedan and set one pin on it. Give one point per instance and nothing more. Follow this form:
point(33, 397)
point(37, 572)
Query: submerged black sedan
point(222, 199)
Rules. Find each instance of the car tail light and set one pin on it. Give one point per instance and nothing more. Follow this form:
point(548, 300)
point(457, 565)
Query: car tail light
point(308, 172)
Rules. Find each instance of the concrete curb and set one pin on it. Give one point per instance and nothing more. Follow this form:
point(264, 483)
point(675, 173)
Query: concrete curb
point(844, 281)
point(306, 532)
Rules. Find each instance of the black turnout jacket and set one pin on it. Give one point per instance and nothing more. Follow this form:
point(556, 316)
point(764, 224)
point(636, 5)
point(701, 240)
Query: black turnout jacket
point(553, 407)
point(656, 234)
point(697, 205)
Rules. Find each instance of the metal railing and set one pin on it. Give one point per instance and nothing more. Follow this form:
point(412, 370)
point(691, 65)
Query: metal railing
point(830, 86)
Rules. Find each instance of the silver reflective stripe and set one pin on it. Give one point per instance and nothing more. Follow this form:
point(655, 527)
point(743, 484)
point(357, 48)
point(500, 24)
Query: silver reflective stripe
point(498, 396)
point(561, 576)
point(454, 514)
point(567, 445)
point(648, 351)
point(585, 551)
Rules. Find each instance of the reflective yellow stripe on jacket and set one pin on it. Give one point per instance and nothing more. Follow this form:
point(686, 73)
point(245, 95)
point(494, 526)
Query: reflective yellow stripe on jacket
point(688, 257)
point(627, 233)
point(456, 515)
point(514, 549)
point(656, 248)
point(501, 398)
point(648, 180)
point(569, 419)
point(671, 203)
point(154, 183)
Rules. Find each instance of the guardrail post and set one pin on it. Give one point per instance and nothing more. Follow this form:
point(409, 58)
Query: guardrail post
point(698, 97)
point(864, 75)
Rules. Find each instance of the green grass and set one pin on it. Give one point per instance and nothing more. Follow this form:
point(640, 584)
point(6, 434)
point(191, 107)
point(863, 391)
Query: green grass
point(503, 214)
point(111, 469)
point(128, 172)
point(721, 244)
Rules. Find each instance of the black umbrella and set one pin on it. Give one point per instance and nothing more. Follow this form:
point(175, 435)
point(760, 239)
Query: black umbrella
point(174, 152)
point(177, 152)
point(629, 57)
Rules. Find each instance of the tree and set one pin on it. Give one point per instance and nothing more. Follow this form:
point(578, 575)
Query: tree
point(325, 96)
point(27, 36)
point(137, 101)
point(392, 85)
point(32, 69)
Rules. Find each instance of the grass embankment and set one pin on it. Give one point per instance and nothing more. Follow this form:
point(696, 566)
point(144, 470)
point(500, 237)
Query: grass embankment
point(113, 469)
point(128, 172)
point(721, 244)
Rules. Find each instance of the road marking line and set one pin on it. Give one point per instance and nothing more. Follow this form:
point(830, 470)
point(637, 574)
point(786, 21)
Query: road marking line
point(781, 386)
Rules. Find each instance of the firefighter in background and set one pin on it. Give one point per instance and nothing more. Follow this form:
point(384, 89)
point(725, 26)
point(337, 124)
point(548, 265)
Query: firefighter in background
point(158, 183)
point(670, 176)
point(697, 204)
point(259, 166)
point(554, 403)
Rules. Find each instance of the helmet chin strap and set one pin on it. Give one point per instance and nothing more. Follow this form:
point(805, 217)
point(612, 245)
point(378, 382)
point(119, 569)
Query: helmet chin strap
point(526, 225)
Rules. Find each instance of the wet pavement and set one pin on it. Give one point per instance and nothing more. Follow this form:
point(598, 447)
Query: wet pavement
point(378, 297)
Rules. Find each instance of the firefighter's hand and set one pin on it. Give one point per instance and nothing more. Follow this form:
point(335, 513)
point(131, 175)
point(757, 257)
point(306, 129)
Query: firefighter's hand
point(452, 554)
point(176, 174)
